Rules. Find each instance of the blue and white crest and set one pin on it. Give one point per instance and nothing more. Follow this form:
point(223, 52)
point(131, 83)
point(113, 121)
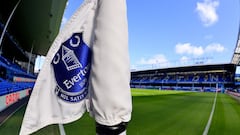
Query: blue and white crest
point(71, 65)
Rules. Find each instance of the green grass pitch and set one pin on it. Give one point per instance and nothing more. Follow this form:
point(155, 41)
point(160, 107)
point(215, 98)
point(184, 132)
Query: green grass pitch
point(158, 113)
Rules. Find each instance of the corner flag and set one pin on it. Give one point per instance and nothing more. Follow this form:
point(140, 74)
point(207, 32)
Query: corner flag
point(88, 60)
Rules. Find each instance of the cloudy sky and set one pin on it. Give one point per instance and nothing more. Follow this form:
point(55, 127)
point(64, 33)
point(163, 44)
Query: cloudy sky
point(176, 33)
point(166, 33)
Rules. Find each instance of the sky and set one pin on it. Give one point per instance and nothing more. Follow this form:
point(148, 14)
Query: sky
point(170, 33)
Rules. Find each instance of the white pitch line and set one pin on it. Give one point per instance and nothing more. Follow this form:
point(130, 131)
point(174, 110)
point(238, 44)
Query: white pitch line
point(61, 129)
point(210, 117)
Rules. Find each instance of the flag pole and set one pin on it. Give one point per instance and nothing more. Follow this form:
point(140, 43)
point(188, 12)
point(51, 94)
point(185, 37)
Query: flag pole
point(29, 59)
point(6, 25)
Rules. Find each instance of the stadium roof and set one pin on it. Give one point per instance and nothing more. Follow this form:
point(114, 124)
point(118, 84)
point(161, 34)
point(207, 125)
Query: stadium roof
point(194, 68)
point(35, 22)
point(236, 54)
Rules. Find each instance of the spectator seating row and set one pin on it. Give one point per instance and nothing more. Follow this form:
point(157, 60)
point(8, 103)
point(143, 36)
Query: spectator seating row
point(12, 69)
point(9, 70)
point(7, 87)
point(190, 78)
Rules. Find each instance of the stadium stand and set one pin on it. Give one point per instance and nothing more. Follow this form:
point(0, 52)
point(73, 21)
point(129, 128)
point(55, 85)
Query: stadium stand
point(15, 86)
point(15, 83)
point(191, 78)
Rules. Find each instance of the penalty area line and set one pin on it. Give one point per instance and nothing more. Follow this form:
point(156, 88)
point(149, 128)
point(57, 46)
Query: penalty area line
point(211, 116)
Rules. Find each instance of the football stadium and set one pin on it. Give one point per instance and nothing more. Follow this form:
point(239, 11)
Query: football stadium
point(187, 100)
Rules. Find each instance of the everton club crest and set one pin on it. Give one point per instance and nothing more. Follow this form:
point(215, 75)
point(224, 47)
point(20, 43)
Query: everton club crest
point(71, 65)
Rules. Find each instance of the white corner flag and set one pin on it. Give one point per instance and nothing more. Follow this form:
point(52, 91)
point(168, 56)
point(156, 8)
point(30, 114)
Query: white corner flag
point(62, 85)
point(88, 59)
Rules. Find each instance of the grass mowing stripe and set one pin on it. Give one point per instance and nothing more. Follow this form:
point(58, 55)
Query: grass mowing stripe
point(181, 114)
point(144, 92)
point(210, 117)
